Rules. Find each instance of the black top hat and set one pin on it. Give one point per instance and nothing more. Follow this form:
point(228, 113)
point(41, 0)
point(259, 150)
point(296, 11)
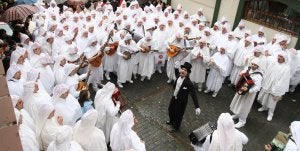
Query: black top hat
point(187, 66)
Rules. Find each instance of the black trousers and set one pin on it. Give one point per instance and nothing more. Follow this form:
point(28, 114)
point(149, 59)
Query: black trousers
point(176, 112)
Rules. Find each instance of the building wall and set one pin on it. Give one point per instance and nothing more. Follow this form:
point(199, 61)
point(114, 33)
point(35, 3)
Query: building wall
point(269, 33)
point(228, 9)
point(192, 6)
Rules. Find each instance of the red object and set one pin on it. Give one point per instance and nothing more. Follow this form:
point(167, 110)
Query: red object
point(118, 97)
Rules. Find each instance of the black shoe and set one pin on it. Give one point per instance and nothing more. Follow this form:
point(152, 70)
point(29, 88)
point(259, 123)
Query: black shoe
point(168, 122)
point(172, 130)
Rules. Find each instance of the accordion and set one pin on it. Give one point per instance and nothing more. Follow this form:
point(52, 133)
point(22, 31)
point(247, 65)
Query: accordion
point(118, 97)
point(198, 135)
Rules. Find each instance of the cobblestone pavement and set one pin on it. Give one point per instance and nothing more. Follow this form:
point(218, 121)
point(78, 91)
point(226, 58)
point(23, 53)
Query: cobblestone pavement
point(149, 101)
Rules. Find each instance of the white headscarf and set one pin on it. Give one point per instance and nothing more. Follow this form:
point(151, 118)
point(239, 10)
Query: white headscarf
point(43, 112)
point(15, 56)
point(225, 131)
point(62, 140)
point(86, 127)
point(120, 133)
point(295, 130)
point(12, 70)
point(69, 68)
point(60, 90)
point(58, 60)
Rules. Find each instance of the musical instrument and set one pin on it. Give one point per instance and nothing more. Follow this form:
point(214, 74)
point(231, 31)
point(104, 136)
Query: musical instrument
point(118, 97)
point(127, 54)
point(96, 62)
point(280, 141)
point(244, 83)
point(147, 49)
point(174, 50)
point(197, 38)
point(113, 48)
point(198, 135)
point(82, 85)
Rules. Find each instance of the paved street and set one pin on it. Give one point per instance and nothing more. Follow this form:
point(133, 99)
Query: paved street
point(149, 101)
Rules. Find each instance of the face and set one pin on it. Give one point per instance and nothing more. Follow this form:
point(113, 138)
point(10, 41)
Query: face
point(202, 44)
point(280, 59)
point(254, 66)
point(94, 43)
point(17, 75)
point(183, 72)
point(247, 43)
point(207, 33)
point(222, 50)
point(37, 51)
point(21, 60)
point(65, 95)
point(19, 104)
point(260, 34)
point(162, 27)
point(50, 40)
point(51, 114)
point(27, 41)
point(36, 88)
point(257, 53)
point(91, 29)
point(63, 62)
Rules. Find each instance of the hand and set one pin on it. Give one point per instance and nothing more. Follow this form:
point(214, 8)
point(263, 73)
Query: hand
point(268, 147)
point(60, 120)
point(197, 111)
point(177, 64)
point(118, 104)
point(106, 48)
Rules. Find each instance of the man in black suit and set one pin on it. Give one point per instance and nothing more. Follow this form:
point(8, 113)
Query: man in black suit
point(182, 88)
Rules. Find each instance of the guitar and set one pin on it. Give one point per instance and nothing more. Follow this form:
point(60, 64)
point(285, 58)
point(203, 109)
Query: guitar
point(174, 50)
point(97, 59)
point(147, 49)
point(113, 48)
point(127, 54)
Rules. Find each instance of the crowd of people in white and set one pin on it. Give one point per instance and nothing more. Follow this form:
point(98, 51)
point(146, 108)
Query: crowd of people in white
point(44, 74)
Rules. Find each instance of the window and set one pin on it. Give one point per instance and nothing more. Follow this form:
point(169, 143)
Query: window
point(273, 14)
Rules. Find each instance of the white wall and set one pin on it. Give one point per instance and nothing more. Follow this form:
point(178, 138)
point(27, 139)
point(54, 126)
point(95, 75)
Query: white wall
point(192, 6)
point(228, 9)
point(269, 33)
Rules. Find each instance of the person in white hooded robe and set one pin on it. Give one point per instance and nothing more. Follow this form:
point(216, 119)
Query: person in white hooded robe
point(147, 46)
point(14, 82)
point(276, 85)
point(239, 60)
point(87, 135)
point(241, 104)
point(46, 73)
point(19, 59)
point(26, 118)
point(92, 52)
point(125, 65)
point(59, 72)
point(199, 58)
point(218, 71)
point(26, 134)
point(66, 105)
point(48, 124)
point(107, 110)
point(72, 78)
point(33, 98)
point(160, 36)
point(63, 140)
point(122, 136)
point(178, 41)
point(226, 137)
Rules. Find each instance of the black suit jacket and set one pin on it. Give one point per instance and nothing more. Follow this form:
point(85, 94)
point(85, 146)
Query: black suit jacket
point(186, 88)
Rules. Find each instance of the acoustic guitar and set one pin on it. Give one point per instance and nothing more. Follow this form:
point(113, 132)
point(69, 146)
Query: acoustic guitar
point(113, 48)
point(174, 50)
point(147, 49)
point(96, 62)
